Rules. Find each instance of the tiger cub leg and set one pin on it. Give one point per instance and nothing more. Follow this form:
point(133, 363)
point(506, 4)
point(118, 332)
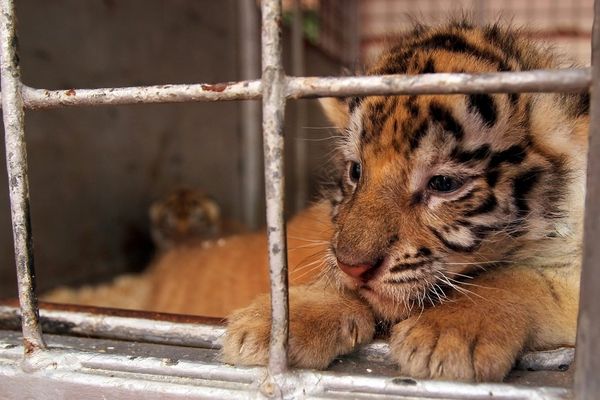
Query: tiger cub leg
point(478, 336)
point(324, 323)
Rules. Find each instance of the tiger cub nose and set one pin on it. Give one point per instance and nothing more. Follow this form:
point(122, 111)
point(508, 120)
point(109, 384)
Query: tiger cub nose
point(354, 271)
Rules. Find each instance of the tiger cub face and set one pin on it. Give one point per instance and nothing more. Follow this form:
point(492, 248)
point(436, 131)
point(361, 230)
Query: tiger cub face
point(182, 216)
point(433, 189)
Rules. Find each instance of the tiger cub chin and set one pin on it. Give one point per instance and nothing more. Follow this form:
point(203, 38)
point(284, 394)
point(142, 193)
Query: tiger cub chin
point(457, 220)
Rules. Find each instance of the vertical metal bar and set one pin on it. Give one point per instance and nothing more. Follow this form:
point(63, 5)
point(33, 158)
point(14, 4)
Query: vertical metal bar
point(587, 359)
point(300, 145)
point(273, 78)
point(16, 162)
point(250, 119)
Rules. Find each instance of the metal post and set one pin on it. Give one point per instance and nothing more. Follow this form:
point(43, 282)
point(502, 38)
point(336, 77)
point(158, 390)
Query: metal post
point(587, 359)
point(301, 187)
point(273, 78)
point(16, 162)
point(250, 119)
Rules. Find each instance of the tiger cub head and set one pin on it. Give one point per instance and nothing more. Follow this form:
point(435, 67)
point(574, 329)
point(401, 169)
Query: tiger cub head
point(182, 216)
point(433, 189)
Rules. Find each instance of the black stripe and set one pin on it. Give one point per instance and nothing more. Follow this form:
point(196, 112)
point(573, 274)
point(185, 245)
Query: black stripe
point(429, 67)
point(513, 155)
point(523, 184)
point(444, 117)
point(411, 105)
point(463, 156)
point(398, 281)
point(354, 103)
point(491, 177)
point(576, 104)
point(416, 198)
point(487, 206)
point(458, 44)
point(486, 107)
point(467, 196)
point(418, 134)
point(408, 266)
point(454, 246)
point(424, 252)
point(462, 222)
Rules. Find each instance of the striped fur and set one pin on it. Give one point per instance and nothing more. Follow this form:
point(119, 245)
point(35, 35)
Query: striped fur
point(463, 211)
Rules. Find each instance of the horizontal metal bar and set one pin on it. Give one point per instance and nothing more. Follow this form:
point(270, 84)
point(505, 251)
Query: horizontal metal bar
point(42, 98)
point(203, 332)
point(306, 87)
point(562, 80)
point(62, 364)
point(123, 325)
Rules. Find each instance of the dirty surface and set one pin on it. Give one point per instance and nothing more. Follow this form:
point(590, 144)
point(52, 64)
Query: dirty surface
point(172, 355)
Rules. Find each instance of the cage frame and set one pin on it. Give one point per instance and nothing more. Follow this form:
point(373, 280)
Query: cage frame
point(36, 362)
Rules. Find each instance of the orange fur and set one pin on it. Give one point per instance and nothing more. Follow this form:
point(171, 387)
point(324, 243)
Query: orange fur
point(213, 278)
point(457, 220)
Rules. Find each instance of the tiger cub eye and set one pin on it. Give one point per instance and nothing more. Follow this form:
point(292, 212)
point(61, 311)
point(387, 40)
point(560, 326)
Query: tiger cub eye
point(355, 171)
point(444, 184)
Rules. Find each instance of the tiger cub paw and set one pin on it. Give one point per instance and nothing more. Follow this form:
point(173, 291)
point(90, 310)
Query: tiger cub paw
point(455, 347)
point(318, 332)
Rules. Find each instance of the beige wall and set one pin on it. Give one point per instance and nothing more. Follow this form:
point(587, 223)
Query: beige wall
point(565, 23)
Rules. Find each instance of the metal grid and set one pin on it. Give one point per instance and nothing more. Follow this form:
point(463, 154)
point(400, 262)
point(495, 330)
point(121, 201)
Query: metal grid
point(274, 88)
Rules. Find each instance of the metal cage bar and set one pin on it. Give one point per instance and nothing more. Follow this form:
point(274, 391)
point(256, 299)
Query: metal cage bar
point(564, 80)
point(275, 88)
point(16, 164)
point(273, 78)
point(587, 384)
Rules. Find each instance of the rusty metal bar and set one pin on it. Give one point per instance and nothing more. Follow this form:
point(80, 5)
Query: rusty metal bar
point(42, 98)
point(300, 145)
point(587, 360)
point(564, 80)
point(16, 162)
point(147, 376)
point(252, 171)
point(193, 331)
point(127, 325)
point(273, 78)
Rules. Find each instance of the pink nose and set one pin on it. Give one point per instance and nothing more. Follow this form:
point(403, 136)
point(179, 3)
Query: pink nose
point(354, 271)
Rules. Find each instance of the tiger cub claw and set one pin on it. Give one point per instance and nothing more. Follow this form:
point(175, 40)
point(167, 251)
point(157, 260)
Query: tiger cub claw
point(428, 347)
point(317, 335)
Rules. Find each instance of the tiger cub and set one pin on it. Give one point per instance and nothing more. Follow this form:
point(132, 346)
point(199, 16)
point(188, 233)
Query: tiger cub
point(457, 220)
point(186, 216)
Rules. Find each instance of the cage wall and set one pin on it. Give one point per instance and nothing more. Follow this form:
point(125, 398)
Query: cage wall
point(94, 171)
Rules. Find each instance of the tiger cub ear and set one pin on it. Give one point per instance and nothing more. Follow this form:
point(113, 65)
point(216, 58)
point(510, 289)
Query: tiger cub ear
point(336, 110)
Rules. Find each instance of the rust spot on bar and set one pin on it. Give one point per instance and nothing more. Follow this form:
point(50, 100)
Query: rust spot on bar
point(158, 316)
point(30, 347)
point(70, 92)
point(217, 87)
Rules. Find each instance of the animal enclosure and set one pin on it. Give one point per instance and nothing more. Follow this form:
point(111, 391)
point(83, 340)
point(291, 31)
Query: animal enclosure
point(160, 356)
